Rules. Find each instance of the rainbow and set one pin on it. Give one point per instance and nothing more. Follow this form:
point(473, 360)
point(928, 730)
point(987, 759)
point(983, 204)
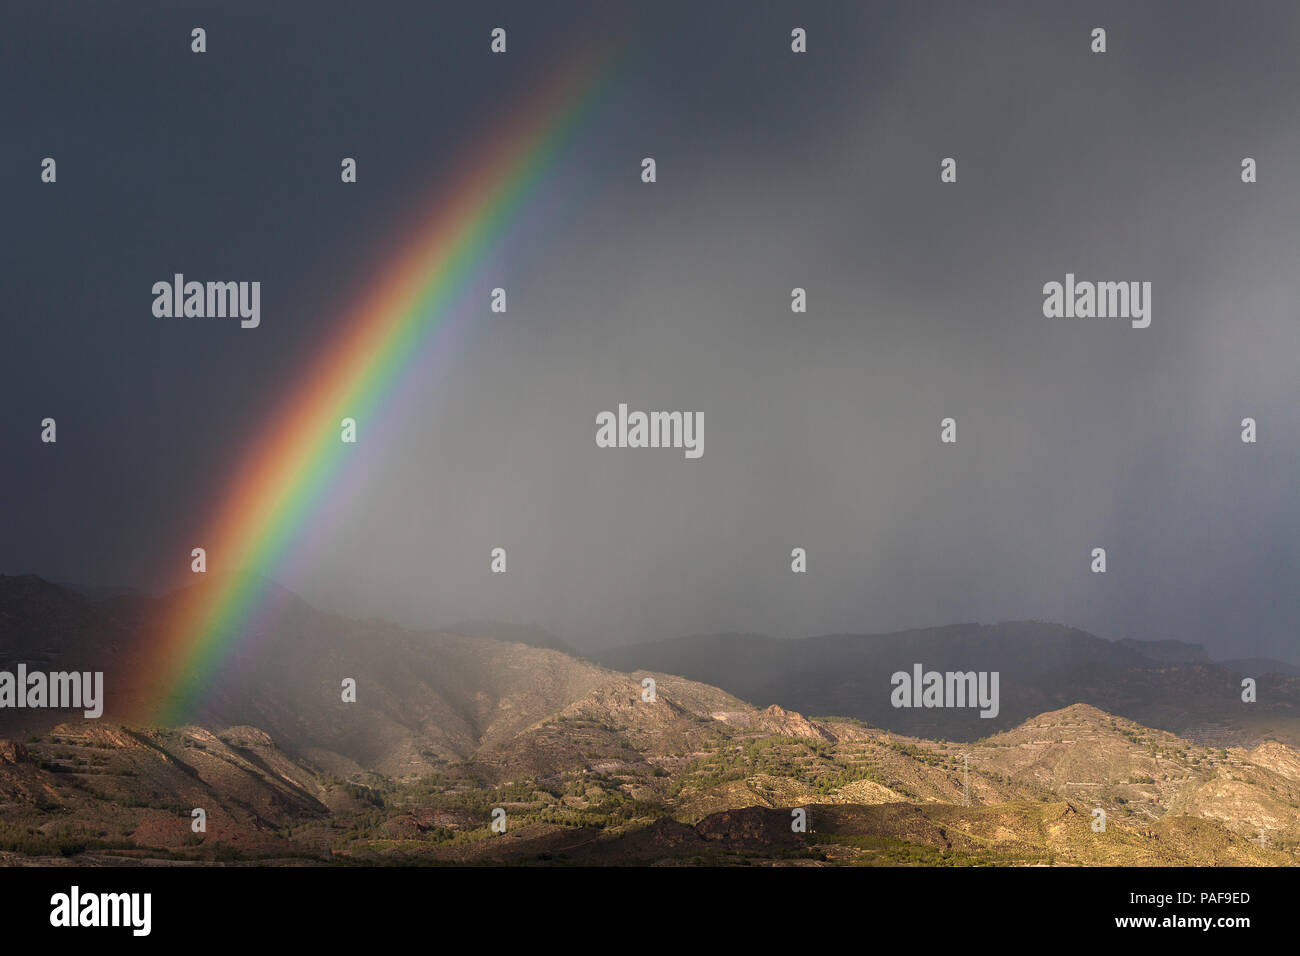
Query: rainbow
point(280, 483)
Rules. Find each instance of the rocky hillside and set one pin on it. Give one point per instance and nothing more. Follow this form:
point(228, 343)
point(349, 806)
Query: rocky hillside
point(615, 779)
point(1084, 754)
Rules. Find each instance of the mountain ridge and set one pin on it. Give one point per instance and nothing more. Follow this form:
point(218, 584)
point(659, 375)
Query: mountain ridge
point(596, 765)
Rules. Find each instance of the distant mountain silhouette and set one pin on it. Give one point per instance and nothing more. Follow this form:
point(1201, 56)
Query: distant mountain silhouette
point(1254, 666)
point(102, 592)
point(1042, 667)
point(1167, 652)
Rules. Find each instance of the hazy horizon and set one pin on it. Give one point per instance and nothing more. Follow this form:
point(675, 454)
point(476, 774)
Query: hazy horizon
point(98, 591)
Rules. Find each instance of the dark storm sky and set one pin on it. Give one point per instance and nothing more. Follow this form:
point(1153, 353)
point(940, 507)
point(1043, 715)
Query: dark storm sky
point(775, 170)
